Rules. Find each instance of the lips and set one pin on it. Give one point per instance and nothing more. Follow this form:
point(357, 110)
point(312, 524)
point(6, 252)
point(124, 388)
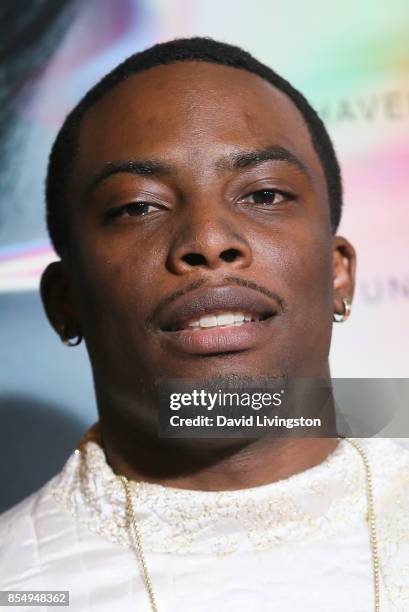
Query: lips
point(217, 320)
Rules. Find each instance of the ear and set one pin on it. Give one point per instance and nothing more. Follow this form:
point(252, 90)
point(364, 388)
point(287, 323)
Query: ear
point(57, 300)
point(344, 269)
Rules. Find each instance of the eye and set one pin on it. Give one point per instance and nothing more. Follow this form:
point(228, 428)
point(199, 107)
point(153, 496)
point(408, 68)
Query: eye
point(268, 197)
point(133, 209)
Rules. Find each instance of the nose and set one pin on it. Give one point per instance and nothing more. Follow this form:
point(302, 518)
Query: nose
point(208, 243)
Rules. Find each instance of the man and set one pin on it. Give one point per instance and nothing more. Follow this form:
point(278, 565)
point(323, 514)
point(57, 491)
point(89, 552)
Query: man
point(193, 197)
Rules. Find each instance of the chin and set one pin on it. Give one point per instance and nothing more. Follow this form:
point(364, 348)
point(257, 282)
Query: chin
point(243, 364)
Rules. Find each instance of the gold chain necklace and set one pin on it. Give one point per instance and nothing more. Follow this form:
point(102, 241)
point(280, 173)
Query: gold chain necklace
point(370, 518)
point(138, 539)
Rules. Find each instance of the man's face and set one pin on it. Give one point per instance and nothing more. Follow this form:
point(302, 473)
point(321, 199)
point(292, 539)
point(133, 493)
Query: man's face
point(197, 200)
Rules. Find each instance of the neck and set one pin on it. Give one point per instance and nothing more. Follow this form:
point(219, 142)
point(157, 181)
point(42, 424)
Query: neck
point(210, 465)
point(133, 449)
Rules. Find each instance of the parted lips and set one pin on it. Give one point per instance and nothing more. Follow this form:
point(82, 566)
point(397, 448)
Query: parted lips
point(216, 306)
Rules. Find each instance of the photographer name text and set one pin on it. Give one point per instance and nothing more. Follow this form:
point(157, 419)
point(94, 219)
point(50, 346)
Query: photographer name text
point(255, 420)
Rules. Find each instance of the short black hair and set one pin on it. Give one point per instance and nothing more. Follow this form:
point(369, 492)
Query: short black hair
point(200, 49)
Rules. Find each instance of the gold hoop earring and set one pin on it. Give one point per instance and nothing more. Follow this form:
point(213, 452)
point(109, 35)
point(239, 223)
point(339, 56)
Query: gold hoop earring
point(68, 341)
point(340, 318)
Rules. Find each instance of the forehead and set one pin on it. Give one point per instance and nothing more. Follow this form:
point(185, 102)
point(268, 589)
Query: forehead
point(191, 112)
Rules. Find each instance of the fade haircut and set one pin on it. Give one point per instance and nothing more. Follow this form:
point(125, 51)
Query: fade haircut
point(66, 145)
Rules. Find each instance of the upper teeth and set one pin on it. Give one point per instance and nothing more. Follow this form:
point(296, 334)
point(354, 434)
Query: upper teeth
point(223, 319)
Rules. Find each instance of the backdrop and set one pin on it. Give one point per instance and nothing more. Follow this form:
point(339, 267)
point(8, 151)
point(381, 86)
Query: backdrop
point(350, 59)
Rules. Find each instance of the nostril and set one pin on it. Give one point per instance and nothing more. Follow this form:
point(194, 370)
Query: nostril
point(194, 259)
point(229, 255)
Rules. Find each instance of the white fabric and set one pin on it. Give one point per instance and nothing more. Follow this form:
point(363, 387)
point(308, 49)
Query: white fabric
point(300, 544)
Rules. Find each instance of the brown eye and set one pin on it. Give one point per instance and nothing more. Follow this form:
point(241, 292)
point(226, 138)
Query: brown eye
point(268, 197)
point(137, 209)
point(134, 209)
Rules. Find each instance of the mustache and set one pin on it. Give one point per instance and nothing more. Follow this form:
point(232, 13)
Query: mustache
point(227, 280)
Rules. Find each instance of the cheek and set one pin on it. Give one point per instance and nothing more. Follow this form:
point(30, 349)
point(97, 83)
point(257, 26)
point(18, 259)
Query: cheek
point(299, 258)
point(297, 264)
point(112, 289)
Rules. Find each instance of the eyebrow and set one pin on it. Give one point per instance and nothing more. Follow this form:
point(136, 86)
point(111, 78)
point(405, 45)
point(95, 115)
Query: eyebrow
point(248, 159)
point(233, 161)
point(148, 167)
